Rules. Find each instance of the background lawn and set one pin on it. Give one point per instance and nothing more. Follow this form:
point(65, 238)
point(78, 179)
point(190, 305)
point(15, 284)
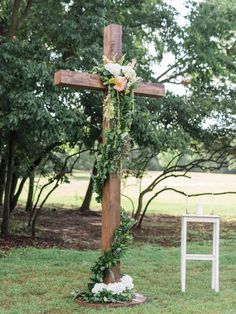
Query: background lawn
point(71, 195)
point(40, 281)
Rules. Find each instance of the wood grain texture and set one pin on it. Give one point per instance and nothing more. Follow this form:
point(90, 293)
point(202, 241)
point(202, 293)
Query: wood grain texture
point(110, 218)
point(93, 82)
point(153, 90)
point(112, 41)
point(112, 46)
point(79, 80)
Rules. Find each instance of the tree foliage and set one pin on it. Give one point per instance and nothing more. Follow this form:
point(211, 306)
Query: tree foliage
point(37, 119)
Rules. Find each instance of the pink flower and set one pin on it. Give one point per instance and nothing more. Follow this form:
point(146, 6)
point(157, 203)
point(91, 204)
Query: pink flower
point(120, 83)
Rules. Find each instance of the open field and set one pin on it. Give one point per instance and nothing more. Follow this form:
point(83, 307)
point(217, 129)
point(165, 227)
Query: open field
point(71, 195)
point(40, 281)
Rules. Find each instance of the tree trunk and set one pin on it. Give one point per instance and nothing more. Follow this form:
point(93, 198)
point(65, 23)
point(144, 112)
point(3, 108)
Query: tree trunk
point(139, 208)
point(37, 210)
point(88, 196)
point(3, 169)
point(30, 169)
point(15, 198)
point(7, 192)
point(29, 203)
point(13, 188)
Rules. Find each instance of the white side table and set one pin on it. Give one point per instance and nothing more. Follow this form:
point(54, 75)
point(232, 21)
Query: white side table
point(214, 257)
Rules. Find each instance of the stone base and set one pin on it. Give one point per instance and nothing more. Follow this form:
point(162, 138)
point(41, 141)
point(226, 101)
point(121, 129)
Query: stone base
point(138, 299)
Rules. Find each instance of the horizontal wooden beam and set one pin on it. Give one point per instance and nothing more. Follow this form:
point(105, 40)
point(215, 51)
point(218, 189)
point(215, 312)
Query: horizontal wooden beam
point(93, 82)
point(153, 90)
point(80, 80)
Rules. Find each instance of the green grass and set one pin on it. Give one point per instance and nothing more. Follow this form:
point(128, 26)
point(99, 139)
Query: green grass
point(71, 195)
point(40, 281)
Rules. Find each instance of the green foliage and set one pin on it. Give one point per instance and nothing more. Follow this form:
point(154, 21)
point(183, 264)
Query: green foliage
point(69, 35)
point(212, 45)
point(104, 296)
point(106, 262)
point(118, 112)
point(111, 257)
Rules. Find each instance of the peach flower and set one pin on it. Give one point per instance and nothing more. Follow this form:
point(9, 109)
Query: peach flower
point(120, 83)
point(106, 60)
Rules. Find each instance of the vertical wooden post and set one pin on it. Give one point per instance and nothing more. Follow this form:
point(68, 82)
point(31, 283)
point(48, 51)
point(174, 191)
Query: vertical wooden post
point(111, 192)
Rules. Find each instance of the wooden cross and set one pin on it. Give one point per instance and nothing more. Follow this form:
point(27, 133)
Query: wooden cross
point(111, 192)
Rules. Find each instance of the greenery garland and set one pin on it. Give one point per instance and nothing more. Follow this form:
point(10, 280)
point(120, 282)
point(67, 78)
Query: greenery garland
point(111, 257)
point(121, 81)
point(106, 262)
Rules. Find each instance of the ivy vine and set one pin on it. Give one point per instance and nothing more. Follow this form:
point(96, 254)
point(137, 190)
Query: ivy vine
point(111, 257)
point(118, 111)
point(107, 261)
point(121, 80)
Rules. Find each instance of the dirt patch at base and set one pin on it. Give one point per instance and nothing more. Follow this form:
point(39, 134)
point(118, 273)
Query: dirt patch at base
point(67, 228)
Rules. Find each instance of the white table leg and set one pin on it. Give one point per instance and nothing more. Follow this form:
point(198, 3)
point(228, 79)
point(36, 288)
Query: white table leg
point(213, 272)
point(183, 254)
point(217, 242)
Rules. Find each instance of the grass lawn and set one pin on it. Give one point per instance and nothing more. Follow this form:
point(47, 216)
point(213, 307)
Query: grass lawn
point(40, 280)
point(71, 195)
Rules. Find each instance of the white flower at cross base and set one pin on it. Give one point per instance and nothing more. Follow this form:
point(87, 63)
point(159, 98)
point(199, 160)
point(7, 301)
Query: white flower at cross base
point(98, 287)
point(116, 287)
point(113, 68)
point(127, 281)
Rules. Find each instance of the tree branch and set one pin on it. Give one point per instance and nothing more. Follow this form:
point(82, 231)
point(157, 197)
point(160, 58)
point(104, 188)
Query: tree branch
point(25, 13)
point(131, 201)
point(197, 194)
point(180, 192)
point(173, 76)
point(168, 70)
point(218, 158)
point(14, 19)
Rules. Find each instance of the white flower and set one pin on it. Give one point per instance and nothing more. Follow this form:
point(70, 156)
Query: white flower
point(98, 287)
point(113, 68)
point(127, 281)
point(129, 72)
point(116, 287)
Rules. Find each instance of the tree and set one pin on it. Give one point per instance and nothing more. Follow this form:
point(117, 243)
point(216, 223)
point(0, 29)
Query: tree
point(205, 117)
point(35, 118)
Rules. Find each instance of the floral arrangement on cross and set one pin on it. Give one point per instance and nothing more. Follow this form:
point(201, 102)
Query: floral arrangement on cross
point(121, 81)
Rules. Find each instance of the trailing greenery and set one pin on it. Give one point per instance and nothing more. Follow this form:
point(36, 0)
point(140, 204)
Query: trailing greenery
point(120, 79)
point(118, 108)
point(111, 257)
point(107, 261)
